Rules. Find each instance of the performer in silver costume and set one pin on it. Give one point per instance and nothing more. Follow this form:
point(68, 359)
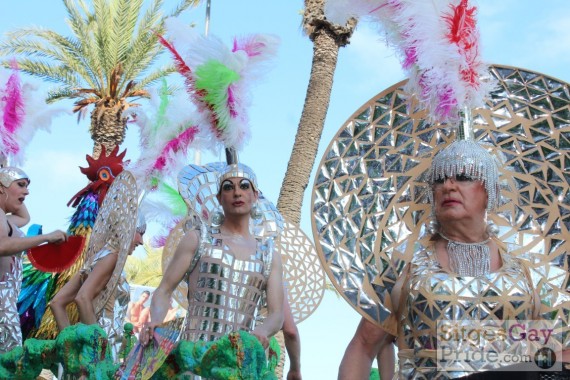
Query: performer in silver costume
point(112, 317)
point(226, 269)
point(14, 214)
point(114, 237)
point(460, 273)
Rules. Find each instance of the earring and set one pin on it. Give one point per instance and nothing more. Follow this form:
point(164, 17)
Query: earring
point(216, 217)
point(433, 226)
point(256, 212)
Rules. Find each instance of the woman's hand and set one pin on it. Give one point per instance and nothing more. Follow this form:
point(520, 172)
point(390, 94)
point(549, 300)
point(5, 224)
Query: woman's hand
point(263, 339)
point(56, 237)
point(146, 334)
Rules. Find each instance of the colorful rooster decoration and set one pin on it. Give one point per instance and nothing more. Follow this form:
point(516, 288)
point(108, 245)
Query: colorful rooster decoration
point(438, 45)
point(38, 288)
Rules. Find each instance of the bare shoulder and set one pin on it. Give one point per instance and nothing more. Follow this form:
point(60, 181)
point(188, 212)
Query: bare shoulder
point(189, 241)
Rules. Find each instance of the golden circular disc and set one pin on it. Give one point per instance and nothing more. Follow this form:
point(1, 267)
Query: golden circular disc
point(115, 225)
point(369, 196)
point(302, 271)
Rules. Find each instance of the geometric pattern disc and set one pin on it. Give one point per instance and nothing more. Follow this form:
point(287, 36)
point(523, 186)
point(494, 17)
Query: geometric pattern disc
point(369, 195)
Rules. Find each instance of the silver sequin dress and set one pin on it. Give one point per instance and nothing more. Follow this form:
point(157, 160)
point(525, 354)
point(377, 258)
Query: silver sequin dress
point(430, 294)
point(10, 285)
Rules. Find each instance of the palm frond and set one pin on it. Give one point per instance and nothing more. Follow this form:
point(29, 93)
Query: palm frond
point(147, 270)
point(59, 93)
point(107, 53)
point(144, 47)
point(64, 50)
point(82, 28)
point(44, 70)
point(185, 4)
point(155, 76)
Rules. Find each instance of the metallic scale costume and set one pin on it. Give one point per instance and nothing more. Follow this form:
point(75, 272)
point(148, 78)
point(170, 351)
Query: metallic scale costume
point(112, 316)
point(226, 291)
point(10, 278)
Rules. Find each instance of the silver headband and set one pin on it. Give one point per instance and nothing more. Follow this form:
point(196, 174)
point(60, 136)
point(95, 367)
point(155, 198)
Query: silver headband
point(141, 223)
point(472, 159)
point(237, 171)
point(10, 174)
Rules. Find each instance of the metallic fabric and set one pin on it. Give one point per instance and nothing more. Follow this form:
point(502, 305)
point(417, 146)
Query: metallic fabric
point(114, 227)
point(10, 284)
point(10, 174)
point(302, 269)
point(226, 290)
point(370, 189)
point(435, 294)
point(90, 265)
point(112, 316)
point(237, 170)
point(471, 159)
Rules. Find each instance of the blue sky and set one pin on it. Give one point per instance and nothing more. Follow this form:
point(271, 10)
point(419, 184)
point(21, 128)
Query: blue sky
point(522, 33)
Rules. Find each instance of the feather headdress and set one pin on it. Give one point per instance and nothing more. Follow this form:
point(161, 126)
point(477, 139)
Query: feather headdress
point(438, 45)
point(166, 136)
point(218, 77)
point(23, 112)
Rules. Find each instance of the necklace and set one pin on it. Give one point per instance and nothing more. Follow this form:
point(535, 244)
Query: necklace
point(468, 259)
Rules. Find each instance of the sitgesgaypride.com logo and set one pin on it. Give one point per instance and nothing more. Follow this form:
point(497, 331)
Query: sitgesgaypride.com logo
point(511, 345)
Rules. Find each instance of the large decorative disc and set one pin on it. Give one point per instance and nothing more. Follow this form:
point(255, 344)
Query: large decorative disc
point(115, 225)
point(302, 271)
point(369, 196)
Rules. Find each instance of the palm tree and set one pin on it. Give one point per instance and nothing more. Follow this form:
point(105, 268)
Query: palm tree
point(147, 270)
point(108, 61)
point(327, 39)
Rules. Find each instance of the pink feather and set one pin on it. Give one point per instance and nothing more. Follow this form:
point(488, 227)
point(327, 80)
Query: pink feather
point(13, 110)
point(177, 144)
point(181, 66)
point(249, 45)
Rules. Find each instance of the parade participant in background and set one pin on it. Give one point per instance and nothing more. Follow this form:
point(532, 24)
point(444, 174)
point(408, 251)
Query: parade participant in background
point(114, 237)
point(208, 259)
point(14, 214)
point(85, 285)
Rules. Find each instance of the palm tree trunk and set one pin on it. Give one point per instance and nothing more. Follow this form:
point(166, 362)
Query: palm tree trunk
point(325, 54)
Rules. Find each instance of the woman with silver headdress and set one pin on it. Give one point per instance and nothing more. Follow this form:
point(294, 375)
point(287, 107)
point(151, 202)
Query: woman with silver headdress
point(452, 299)
point(226, 269)
point(14, 214)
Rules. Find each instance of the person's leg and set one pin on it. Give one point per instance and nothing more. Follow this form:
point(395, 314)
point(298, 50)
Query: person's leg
point(96, 281)
point(64, 297)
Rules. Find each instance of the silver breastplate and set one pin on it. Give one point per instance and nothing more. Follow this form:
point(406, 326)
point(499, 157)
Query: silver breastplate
point(225, 291)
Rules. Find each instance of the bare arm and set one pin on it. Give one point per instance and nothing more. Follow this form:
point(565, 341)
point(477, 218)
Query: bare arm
point(274, 320)
point(20, 218)
point(171, 278)
point(387, 361)
point(292, 342)
point(369, 341)
point(11, 245)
